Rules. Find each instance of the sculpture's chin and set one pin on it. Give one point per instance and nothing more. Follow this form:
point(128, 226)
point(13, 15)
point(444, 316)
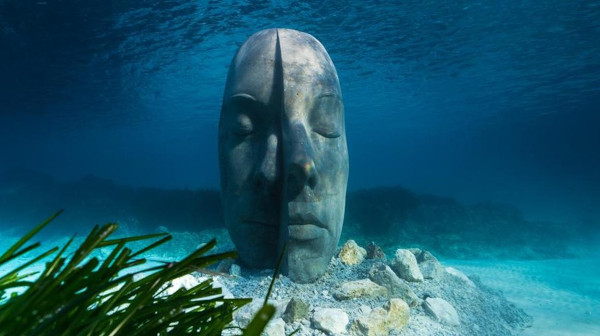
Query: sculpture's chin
point(256, 244)
point(303, 264)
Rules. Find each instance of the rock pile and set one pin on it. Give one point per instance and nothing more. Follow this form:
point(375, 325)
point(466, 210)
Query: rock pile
point(441, 310)
point(364, 295)
point(333, 321)
point(392, 317)
point(375, 252)
point(406, 266)
point(351, 253)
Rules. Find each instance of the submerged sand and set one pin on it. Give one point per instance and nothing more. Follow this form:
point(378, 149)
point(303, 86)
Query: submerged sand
point(561, 295)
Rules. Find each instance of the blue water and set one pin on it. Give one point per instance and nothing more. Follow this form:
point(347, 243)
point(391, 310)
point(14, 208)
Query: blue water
point(476, 100)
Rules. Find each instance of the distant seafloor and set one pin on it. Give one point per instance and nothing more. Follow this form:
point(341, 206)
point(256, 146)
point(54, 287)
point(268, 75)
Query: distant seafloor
point(392, 215)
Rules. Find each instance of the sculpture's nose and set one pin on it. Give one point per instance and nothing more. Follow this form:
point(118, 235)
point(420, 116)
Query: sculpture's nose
point(301, 170)
point(266, 174)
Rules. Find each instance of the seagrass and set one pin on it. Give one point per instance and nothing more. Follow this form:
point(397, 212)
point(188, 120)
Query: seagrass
point(79, 294)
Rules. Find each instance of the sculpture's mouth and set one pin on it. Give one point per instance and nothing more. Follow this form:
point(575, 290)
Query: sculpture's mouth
point(305, 219)
point(305, 226)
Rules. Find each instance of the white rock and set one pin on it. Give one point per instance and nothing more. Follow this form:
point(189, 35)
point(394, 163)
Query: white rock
point(383, 275)
point(244, 315)
point(431, 269)
point(428, 264)
point(406, 266)
point(393, 316)
point(456, 273)
point(441, 310)
point(352, 254)
point(276, 327)
point(331, 320)
point(187, 281)
point(360, 288)
point(235, 270)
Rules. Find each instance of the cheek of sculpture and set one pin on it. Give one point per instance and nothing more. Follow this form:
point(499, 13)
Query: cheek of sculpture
point(308, 259)
point(249, 197)
point(317, 130)
point(333, 163)
point(331, 157)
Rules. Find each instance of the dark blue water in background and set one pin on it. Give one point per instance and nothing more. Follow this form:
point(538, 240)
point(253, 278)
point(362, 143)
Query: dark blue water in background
point(476, 100)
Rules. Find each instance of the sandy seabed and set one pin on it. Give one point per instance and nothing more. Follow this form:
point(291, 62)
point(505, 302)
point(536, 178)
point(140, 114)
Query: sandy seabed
point(562, 295)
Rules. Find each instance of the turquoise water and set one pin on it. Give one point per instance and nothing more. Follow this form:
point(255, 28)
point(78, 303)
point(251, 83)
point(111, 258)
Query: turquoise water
point(473, 126)
point(476, 100)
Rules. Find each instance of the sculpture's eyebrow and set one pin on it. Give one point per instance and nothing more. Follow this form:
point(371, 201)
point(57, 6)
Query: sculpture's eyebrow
point(244, 96)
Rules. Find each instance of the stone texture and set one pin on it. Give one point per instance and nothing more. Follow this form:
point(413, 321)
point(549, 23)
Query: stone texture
point(244, 315)
point(330, 320)
point(224, 265)
point(375, 252)
point(276, 327)
point(351, 253)
point(383, 275)
point(406, 266)
point(189, 281)
point(364, 310)
point(235, 270)
point(428, 264)
point(274, 72)
point(295, 310)
point(392, 317)
point(359, 289)
point(441, 310)
point(460, 275)
point(228, 266)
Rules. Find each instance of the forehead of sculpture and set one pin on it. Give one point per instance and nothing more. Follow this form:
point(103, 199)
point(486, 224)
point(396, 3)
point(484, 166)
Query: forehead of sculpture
point(253, 67)
point(304, 62)
point(307, 64)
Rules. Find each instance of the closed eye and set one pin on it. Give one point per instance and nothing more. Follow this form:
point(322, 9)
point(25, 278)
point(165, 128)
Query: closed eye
point(326, 117)
point(328, 133)
point(245, 111)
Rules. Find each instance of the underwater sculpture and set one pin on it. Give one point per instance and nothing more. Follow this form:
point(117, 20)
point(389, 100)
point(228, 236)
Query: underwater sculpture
point(283, 154)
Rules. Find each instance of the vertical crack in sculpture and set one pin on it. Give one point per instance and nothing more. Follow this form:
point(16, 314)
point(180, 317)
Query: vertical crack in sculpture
point(278, 100)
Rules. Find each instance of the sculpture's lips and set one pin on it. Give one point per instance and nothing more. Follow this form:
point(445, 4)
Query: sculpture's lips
point(305, 227)
point(305, 232)
point(305, 219)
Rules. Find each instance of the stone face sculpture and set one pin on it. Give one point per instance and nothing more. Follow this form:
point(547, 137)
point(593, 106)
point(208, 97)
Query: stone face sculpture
point(283, 154)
